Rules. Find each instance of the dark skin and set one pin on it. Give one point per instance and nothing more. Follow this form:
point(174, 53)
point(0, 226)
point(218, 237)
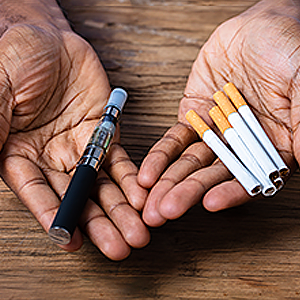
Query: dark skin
point(53, 90)
point(259, 52)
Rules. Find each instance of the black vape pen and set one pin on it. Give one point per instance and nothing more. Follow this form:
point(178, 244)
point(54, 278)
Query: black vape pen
point(86, 172)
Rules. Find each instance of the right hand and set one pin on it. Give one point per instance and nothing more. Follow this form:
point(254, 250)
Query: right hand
point(259, 51)
point(53, 90)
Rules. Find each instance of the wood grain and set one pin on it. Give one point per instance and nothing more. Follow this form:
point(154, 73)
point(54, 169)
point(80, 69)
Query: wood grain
point(250, 252)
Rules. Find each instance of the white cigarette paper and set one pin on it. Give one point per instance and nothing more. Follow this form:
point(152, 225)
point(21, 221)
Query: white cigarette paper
point(252, 122)
point(248, 116)
point(242, 152)
point(254, 146)
point(246, 179)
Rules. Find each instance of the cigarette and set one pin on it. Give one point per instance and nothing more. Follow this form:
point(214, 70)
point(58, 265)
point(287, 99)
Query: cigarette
point(247, 136)
point(246, 179)
point(242, 152)
point(246, 113)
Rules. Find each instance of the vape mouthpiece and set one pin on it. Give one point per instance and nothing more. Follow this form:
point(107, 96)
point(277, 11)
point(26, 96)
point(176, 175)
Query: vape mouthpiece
point(117, 98)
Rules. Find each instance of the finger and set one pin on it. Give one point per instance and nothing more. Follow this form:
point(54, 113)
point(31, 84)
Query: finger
point(196, 156)
point(94, 221)
point(124, 172)
point(151, 213)
point(164, 152)
point(29, 184)
point(31, 187)
point(190, 191)
point(225, 195)
point(103, 234)
point(125, 218)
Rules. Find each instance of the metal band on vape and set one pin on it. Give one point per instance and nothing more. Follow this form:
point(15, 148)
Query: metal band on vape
point(95, 151)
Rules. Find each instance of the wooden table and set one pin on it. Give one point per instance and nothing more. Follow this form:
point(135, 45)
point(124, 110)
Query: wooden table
point(251, 252)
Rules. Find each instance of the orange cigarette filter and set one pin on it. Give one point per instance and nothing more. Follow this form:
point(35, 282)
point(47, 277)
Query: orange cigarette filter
point(219, 118)
point(224, 103)
point(197, 123)
point(234, 95)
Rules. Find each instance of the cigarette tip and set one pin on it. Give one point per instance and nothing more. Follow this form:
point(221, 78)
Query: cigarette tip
point(224, 103)
point(233, 93)
point(219, 118)
point(196, 122)
point(229, 85)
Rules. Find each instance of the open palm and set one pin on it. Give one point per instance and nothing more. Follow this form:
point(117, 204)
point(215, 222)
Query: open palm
point(53, 90)
point(259, 52)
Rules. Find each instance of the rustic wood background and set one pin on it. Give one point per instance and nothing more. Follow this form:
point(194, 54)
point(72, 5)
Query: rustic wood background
point(251, 252)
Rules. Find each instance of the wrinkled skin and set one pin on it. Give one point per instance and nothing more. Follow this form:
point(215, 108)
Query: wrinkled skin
point(259, 52)
point(53, 90)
